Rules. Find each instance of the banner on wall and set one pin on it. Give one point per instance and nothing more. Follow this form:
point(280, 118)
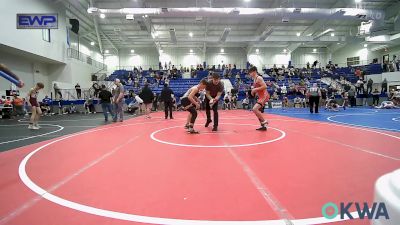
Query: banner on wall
point(37, 21)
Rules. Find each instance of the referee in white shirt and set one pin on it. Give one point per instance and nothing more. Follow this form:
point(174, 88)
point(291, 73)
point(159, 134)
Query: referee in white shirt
point(314, 94)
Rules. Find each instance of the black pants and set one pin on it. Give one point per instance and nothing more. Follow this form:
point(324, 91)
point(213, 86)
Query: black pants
point(369, 89)
point(78, 93)
point(168, 107)
point(192, 110)
point(375, 99)
point(352, 101)
point(314, 100)
point(215, 110)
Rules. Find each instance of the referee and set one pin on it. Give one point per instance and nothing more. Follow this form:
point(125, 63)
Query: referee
point(214, 91)
point(314, 94)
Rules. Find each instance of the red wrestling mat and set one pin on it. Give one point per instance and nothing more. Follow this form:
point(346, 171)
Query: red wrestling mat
point(152, 171)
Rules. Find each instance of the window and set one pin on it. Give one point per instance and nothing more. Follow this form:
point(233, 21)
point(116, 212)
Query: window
point(46, 35)
point(353, 61)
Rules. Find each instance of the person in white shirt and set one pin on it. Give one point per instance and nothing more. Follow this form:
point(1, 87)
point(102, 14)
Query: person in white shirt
point(227, 101)
point(284, 89)
point(297, 102)
point(245, 103)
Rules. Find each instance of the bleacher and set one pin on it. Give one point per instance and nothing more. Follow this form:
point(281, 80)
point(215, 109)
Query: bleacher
point(180, 85)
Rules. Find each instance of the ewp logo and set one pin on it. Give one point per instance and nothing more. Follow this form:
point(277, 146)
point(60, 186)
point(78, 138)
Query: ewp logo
point(37, 21)
point(377, 210)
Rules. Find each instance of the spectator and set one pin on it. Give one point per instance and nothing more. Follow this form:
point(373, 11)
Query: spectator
point(71, 109)
point(147, 95)
point(396, 62)
point(252, 98)
point(57, 91)
point(297, 102)
point(352, 97)
point(285, 102)
point(375, 97)
point(227, 101)
point(96, 89)
point(118, 101)
point(18, 104)
point(315, 64)
point(360, 86)
point(78, 91)
point(358, 73)
point(166, 97)
point(130, 82)
point(139, 102)
point(245, 103)
point(133, 105)
point(105, 97)
point(369, 85)
point(384, 86)
point(345, 96)
point(89, 106)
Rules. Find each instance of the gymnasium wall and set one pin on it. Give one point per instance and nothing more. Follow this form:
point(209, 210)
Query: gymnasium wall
point(31, 40)
point(35, 60)
point(354, 50)
point(29, 71)
point(268, 57)
point(181, 56)
point(232, 56)
point(301, 56)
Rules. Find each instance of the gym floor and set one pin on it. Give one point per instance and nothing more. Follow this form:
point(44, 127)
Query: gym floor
point(77, 170)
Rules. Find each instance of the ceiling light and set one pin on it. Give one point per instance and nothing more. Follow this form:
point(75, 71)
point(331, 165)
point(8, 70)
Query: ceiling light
point(222, 50)
point(365, 45)
point(130, 17)
point(358, 1)
point(191, 50)
point(132, 51)
point(257, 50)
point(191, 34)
point(284, 50)
point(247, 0)
point(92, 43)
point(102, 15)
point(314, 50)
point(332, 34)
point(146, 16)
point(298, 34)
point(106, 51)
point(338, 43)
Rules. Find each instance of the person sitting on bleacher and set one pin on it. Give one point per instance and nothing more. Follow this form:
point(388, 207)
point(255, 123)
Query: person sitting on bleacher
point(245, 103)
point(18, 104)
point(89, 106)
point(227, 101)
point(297, 102)
point(71, 109)
point(129, 82)
point(45, 108)
point(7, 108)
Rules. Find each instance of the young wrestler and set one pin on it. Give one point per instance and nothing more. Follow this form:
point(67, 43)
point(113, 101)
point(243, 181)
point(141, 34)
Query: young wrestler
point(36, 111)
point(260, 88)
point(191, 103)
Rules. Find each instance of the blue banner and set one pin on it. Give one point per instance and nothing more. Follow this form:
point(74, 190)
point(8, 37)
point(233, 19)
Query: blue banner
point(37, 21)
